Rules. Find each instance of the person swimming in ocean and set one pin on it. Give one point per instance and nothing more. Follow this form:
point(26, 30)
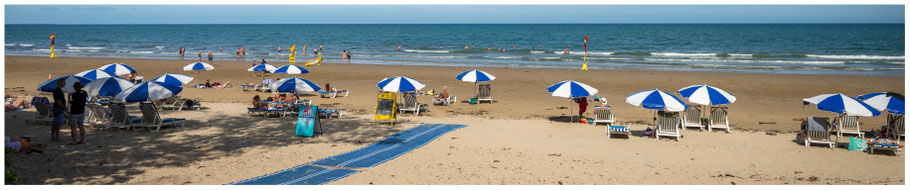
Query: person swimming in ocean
point(465, 47)
point(200, 55)
point(566, 50)
point(279, 48)
point(399, 47)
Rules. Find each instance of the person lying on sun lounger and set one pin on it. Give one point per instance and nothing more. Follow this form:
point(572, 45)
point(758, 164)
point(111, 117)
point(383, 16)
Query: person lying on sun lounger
point(258, 104)
point(441, 98)
point(14, 102)
point(23, 145)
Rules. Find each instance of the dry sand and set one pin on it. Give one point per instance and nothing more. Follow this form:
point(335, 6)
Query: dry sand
point(520, 139)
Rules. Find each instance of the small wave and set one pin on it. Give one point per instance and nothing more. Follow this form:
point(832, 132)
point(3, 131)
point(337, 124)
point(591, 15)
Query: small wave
point(538, 52)
point(27, 45)
point(160, 47)
point(857, 57)
point(89, 48)
point(778, 55)
point(583, 53)
point(41, 50)
point(808, 62)
point(142, 52)
point(427, 51)
point(875, 62)
point(633, 53)
point(9, 44)
point(69, 44)
point(501, 57)
point(676, 54)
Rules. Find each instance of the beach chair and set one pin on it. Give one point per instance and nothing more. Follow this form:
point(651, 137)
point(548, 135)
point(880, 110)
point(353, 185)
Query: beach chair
point(120, 118)
point(610, 129)
point(179, 104)
point(668, 125)
point(483, 93)
point(847, 124)
point(692, 118)
point(410, 104)
point(445, 102)
point(718, 119)
point(44, 113)
point(169, 103)
point(333, 94)
point(604, 115)
point(817, 132)
point(96, 116)
point(897, 127)
point(151, 118)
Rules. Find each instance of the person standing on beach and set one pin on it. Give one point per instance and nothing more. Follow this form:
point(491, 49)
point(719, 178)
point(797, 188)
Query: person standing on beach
point(181, 52)
point(211, 58)
point(77, 113)
point(200, 55)
point(238, 54)
point(349, 57)
point(344, 56)
point(59, 109)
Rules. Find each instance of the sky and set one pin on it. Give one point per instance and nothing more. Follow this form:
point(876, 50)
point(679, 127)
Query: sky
point(448, 14)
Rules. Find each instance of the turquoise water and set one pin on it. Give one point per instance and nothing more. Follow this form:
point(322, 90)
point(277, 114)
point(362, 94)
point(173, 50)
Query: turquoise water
point(864, 49)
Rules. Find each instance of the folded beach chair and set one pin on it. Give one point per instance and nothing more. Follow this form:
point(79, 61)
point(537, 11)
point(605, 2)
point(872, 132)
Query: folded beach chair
point(444, 102)
point(604, 115)
point(168, 103)
point(817, 131)
point(120, 118)
point(483, 93)
point(718, 119)
point(668, 125)
point(151, 118)
point(692, 118)
point(410, 104)
point(847, 124)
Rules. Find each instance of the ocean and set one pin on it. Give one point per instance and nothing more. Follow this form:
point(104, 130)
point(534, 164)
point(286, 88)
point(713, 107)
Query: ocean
point(860, 49)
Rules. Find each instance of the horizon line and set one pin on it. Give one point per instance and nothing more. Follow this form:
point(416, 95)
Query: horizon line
point(720, 23)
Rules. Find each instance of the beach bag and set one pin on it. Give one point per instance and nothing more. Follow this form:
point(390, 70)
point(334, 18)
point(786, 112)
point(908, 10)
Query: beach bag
point(856, 144)
point(307, 121)
point(473, 101)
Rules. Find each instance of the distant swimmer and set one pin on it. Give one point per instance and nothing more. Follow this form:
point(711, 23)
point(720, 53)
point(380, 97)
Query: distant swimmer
point(315, 52)
point(440, 47)
point(566, 50)
point(238, 54)
point(320, 48)
point(465, 47)
point(541, 46)
point(222, 49)
point(489, 49)
point(279, 48)
point(211, 57)
point(513, 46)
point(200, 56)
point(243, 51)
point(304, 51)
point(399, 47)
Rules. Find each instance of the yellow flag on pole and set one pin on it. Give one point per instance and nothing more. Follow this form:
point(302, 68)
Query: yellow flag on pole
point(291, 59)
point(53, 54)
point(584, 67)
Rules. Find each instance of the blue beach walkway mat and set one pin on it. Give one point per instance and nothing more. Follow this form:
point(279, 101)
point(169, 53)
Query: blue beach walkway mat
point(390, 147)
point(300, 175)
point(307, 121)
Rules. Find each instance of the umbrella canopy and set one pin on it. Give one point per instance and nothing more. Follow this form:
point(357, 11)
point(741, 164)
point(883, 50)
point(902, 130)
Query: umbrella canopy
point(840, 103)
point(198, 66)
point(294, 85)
point(107, 87)
point(174, 79)
point(571, 89)
point(148, 90)
point(706, 95)
point(475, 76)
point(262, 67)
point(657, 100)
point(95, 74)
point(290, 69)
point(891, 101)
point(50, 85)
point(117, 69)
point(400, 84)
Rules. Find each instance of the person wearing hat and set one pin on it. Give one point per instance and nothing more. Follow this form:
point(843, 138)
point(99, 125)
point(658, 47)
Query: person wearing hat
point(77, 112)
point(602, 100)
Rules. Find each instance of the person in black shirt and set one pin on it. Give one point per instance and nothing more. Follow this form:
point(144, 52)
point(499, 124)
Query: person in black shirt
point(77, 112)
point(59, 108)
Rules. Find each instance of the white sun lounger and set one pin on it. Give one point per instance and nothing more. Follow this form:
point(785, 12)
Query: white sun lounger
point(692, 118)
point(668, 125)
point(847, 124)
point(718, 119)
point(151, 118)
point(604, 115)
point(817, 132)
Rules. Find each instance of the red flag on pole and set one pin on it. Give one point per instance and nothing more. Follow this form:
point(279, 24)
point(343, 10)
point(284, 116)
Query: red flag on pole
point(52, 38)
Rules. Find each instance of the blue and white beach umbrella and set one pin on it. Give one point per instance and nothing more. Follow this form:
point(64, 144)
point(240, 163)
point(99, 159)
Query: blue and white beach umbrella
point(148, 90)
point(293, 85)
point(400, 84)
point(290, 69)
point(50, 85)
point(893, 102)
point(657, 100)
point(840, 103)
point(475, 76)
point(174, 79)
point(571, 89)
point(117, 69)
point(198, 66)
point(262, 67)
point(706, 95)
point(95, 74)
point(107, 87)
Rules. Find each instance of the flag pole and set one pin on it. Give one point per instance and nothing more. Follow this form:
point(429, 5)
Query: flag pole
point(584, 67)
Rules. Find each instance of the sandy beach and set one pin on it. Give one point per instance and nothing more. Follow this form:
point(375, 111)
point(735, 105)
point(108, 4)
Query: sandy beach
point(522, 138)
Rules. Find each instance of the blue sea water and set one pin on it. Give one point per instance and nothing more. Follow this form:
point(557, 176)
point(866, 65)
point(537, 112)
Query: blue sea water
point(863, 49)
